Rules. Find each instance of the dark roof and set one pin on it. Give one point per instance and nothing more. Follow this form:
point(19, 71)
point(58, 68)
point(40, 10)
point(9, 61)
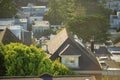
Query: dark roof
point(6, 37)
point(102, 50)
point(70, 50)
point(82, 77)
point(64, 43)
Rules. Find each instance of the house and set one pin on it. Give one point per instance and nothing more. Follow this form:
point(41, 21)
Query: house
point(6, 37)
point(22, 22)
point(115, 51)
point(113, 4)
point(40, 26)
point(71, 52)
point(6, 23)
point(114, 21)
point(102, 51)
point(35, 18)
point(34, 10)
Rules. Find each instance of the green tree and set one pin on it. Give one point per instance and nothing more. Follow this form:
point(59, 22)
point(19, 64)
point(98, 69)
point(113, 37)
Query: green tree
point(2, 65)
point(21, 60)
point(60, 69)
point(7, 8)
point(87, 26)
point(59, 11)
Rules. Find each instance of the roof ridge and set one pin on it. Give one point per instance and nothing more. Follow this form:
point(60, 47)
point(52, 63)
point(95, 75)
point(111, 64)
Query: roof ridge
point(68, 45)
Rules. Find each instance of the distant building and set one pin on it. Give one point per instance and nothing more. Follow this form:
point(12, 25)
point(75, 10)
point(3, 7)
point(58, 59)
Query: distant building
point(32, 19)
point(22, 22)
point(115, 51)
point(6, 23)
point(113, 4)
point(26, 37)
point(40, 26)
point(34, 10)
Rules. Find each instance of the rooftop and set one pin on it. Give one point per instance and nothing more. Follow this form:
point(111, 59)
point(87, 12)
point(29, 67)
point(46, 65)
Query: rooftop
point(41, 23)
point(34, 7)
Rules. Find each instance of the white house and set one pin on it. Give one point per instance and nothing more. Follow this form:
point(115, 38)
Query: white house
point(40, 26)
point(35, 18)
point(115, 51)
point(113, 4)
point(6, 23)
point(22, 22)
point(115, 20)
point(34, 10)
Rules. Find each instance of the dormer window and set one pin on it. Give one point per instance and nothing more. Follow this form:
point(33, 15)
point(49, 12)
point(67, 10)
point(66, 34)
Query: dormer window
point(71, 61)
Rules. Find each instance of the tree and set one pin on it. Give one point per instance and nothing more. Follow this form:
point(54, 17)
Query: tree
point(21, 60)
point(91, 25)
point(2, 66)
point(7, 8)
point(60, 69)
point(90, 20)
point(59, 11)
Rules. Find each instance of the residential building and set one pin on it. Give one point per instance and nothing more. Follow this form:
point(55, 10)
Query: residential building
point(113, 4)
point(102, 51)
point(6, 22)
point(34, 10)
point(22, 22)
point(115, 51)
point(32, 19)
point(71, 52)
point(40, 26)
point(114, 21)
point(6, 37)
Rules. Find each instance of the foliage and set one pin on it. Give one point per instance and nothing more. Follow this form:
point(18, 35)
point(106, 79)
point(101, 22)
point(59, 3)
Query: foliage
point(7, 8)
point(80, 16)
point(2, 67)
point(60, 69)
point(21, 60)
point(87, 26)
point(59, 11)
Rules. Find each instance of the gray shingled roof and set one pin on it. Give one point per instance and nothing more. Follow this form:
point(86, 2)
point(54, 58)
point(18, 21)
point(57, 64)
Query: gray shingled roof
point(70, 50)
point(102, 50)
point(64, 43)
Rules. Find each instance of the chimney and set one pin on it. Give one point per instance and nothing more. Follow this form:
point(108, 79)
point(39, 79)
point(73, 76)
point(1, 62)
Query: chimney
point(92, 43)
point(47, 49)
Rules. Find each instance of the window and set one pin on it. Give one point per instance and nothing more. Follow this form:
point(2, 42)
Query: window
point(70, 61)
